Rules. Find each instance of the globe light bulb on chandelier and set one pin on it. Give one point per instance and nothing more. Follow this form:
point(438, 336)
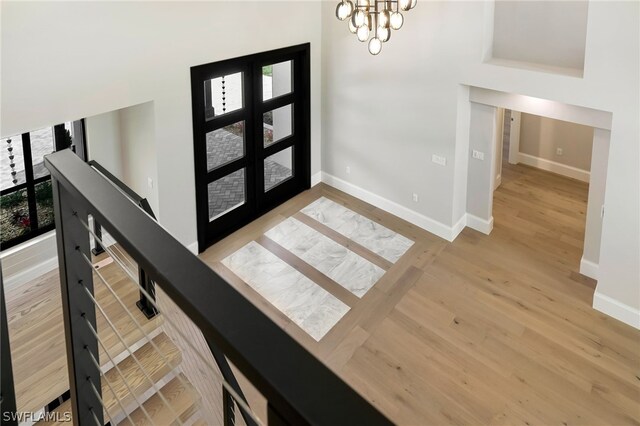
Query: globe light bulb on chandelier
point(375, 46)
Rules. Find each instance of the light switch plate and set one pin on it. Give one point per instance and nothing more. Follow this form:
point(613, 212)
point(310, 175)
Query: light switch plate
point(479, 155)
point(439, 159)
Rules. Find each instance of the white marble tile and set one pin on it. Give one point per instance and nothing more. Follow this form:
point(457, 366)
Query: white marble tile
point(308, 305)
point(325, 255)
point(328, 212)
point(345, 267)
point(356, 274)
point(321, 320)
point(294, 236)
point(369, 234)
point(252, 261)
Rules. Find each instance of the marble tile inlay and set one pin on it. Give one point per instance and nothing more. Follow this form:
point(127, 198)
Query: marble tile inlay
point(375, 237)
point(342, 265)
point(307, 304)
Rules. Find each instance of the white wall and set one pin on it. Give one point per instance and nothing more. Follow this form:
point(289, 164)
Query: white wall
point(138, 149)
point(541, 32)
point(411, 100)
point(128, 53)
point(482, 138)
point(541, 136)
point(499, 136)
point(597, 191)
point(103, 141)
point(123, 142)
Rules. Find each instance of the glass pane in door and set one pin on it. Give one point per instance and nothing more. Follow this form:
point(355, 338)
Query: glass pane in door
point(225, 145)
point(278, 168)
point(226, 194)
point(277, 80)
point(277, 124)
point(223, 95)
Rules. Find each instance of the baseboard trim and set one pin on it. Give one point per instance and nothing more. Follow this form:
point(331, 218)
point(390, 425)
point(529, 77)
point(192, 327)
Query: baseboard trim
point(616, 309)
point(458, 227)
point(589, 268)
point(34, 258)
point(29, 260)
point(479, 224)
point(32, 273)
point(554, 167)
point(316, 179)
point(411, 216)
point(498, 182)
point(193, 247)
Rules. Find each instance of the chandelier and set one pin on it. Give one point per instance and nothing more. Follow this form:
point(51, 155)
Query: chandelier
point(374, 17)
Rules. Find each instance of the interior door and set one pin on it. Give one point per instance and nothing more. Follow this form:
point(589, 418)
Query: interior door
point(251, 137)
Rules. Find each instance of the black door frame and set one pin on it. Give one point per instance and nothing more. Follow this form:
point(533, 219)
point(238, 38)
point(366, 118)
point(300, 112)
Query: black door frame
point(257, 202)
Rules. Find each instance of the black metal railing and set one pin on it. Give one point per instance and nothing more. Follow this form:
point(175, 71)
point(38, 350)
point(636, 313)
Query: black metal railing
point(144, 304)
point(298, 387)
point(8, 412)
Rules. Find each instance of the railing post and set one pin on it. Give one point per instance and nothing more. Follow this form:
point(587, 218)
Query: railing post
point(77, 307)
point(97, 229)
point(147, 307)
point(8, 409)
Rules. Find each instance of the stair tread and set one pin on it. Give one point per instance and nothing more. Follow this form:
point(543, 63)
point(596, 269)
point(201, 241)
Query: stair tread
point(179, 393)
point(36, 328)
point(151, 361)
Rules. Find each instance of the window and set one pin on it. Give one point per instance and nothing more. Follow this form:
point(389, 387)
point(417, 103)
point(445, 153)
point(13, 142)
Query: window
point(26, 195)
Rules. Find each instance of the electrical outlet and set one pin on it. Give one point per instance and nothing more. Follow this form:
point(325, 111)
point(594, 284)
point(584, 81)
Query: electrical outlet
point(439, 160)
point(348, 170)
point(150, 182)
point(415, 197)
point(478, 155)
point(559, 151)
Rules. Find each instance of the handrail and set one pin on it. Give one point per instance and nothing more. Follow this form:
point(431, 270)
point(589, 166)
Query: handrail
point(139, 200)
point(143, 304)
point(298, 387)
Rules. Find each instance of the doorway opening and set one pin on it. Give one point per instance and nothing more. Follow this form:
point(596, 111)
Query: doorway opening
point(542, 187)
point(546, 177)
point(251, 122)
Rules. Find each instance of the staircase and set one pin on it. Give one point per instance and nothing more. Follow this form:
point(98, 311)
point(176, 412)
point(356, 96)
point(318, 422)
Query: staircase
point(153, 377)
point(294, 387)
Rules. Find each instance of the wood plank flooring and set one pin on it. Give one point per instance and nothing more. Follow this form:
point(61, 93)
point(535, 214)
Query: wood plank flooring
point(36, 332)
point(493, 329)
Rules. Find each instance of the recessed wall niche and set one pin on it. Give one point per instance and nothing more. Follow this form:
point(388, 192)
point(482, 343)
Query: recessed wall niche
point(547, 35)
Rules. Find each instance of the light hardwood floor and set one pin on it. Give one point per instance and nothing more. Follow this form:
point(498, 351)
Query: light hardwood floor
point(36, 332)
point(493, 329)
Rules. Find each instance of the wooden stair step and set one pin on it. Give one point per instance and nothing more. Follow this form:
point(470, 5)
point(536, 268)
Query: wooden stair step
point(36, 329)
point(182, 397)
point(153, 364)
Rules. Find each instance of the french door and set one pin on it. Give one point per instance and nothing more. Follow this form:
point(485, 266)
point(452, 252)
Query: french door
point(251, 137)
